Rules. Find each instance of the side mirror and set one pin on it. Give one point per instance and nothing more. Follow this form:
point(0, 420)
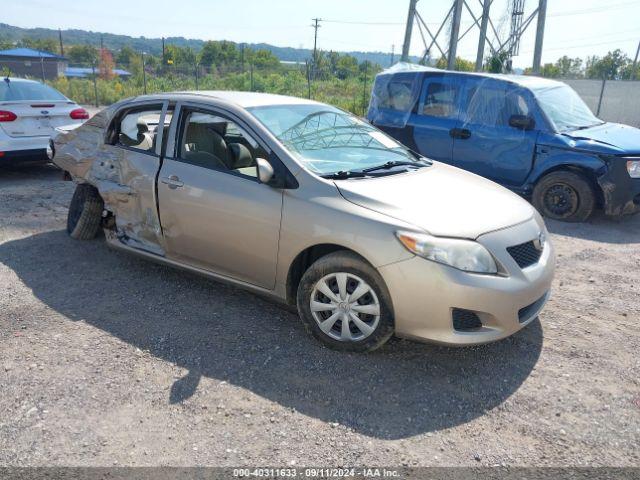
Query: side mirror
point(265, 170)
point(522, 122)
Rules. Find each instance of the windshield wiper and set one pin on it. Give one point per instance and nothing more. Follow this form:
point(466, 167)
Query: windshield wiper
point(394, 163)
point(344, 174)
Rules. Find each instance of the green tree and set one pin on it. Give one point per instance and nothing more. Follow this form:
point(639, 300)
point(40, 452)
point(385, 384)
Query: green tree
point(85, 54)
point(569, 67)
point(49, 45)
point(218, 53)
point(462, 65)
point(262, 58)
point(346, 67)
point(125, 56)
point(497, 63)
point(610, 66)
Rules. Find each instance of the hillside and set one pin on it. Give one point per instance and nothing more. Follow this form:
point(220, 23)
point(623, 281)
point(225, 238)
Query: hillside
point(154, 45)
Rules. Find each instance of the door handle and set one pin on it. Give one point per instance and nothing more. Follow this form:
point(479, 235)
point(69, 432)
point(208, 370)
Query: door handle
point(461, 133)
point(172, 182)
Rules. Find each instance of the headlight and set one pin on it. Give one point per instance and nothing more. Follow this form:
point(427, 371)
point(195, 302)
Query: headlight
point(464, 255)
point(633, 167)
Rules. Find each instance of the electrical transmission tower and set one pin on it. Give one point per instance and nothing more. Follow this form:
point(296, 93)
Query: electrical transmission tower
point(488, 33)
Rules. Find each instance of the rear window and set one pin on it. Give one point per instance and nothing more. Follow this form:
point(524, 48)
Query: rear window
point(15, 91)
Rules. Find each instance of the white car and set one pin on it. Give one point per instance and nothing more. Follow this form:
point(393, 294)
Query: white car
point(29, 114)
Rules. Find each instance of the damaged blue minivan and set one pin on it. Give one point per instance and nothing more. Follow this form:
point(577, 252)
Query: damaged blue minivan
point(532, 135)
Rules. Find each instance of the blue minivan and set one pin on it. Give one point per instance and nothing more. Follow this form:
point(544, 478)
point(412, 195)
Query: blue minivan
point(532, 135)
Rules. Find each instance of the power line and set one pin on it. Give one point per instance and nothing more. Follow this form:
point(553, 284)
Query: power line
point(591, 10)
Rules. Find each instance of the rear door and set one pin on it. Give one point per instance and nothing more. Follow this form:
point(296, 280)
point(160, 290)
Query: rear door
point(134, 144)
point(437, 116)
point(216, 215)
point(38, 109)
point(485, 142)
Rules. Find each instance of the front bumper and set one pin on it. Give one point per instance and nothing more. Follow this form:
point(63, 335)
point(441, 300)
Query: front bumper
point(424, 293)
point(621, 192)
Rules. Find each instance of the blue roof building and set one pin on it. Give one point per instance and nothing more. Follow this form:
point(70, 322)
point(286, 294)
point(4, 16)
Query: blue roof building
point(27, 62)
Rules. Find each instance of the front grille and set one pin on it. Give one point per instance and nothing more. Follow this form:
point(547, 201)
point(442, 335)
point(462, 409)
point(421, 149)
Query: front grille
point(525, 313)
point(525, 254)
point(465, 320)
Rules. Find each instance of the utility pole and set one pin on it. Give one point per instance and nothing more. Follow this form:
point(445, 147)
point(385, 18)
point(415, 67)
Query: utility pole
point(407, 31)
point(537, 54)
point(486, 4)
point(101, 43)
point(364, 89)
point(635, 63)
point(61, 45)
point(316, 26)
point(144, 76)
point(455, 31)
point(393, 48)
point(164, 52)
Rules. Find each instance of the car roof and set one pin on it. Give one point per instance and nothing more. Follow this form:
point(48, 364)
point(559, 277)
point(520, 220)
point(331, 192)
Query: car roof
point(527, 81)
point(240, 99)
point(20, 80)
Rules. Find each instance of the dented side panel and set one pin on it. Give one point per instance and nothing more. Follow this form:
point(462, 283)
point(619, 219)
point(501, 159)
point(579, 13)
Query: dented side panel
point(124, 177)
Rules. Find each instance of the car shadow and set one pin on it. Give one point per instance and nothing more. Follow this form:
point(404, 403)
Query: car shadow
point(223, 332)
point(12, 172)
point(600, 228)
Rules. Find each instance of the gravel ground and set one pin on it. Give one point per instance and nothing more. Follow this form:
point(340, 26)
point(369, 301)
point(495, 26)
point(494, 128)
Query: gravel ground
point(107, 359)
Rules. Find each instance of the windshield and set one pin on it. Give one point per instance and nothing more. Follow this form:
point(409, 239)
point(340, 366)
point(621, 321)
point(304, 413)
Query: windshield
point(16, 91)
point(565, 108)
point(327, 140)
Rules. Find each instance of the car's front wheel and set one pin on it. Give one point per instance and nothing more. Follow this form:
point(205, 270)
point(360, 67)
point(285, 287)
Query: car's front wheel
point(564, 196)
point(85, 212)
point(345, 304)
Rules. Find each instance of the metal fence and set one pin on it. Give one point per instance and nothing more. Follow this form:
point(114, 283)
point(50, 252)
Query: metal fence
point(611, 100)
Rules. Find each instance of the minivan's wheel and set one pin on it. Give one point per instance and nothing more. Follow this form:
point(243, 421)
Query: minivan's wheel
point(564, 196)
point(345, 304)
point(85, 212)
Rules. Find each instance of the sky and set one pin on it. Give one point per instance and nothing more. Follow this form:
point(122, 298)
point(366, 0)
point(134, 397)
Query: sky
point(577, 28)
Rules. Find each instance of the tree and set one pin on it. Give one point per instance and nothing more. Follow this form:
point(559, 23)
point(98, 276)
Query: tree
point(84, 54)
point(218, 53)
point(262, 58)
point(346, 67)
point(49, 45)
point(106, 65)
point(462, 65)
point(610, 66)
point(125, 55)
point(497, 63)
point(569, 67)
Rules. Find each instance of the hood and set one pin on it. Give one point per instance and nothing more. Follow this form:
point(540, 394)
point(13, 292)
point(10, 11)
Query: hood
point(614, 137)
point(440, 199)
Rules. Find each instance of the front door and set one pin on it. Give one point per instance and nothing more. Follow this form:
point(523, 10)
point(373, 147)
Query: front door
point(486, 143)
point(437, 116)
point(214, 211)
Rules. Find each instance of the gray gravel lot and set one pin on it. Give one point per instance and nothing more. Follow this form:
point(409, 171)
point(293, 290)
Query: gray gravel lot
point(107, 359)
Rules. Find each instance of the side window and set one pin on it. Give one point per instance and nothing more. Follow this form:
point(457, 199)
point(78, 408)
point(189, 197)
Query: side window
point(212, 141)
point(400, 96)
point(138, 128)
point(440, 99)
point(486, 106)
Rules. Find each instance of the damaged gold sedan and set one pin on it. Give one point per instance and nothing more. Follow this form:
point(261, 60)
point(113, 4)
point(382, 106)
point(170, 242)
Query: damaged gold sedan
point(311, 205)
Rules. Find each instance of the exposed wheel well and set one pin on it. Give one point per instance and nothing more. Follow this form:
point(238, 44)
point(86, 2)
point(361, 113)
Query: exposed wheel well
point(589, 174)
point(303, 261)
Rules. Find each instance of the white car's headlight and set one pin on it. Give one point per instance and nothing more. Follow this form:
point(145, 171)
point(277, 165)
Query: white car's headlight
point(633, 167)
point(464, 255)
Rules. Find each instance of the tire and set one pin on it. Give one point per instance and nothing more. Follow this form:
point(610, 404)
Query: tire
point(85, 213)
point(563, 195)
point(370, 331)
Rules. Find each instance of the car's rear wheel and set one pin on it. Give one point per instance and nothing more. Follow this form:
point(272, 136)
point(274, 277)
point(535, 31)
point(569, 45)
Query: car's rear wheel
point(564, 195)
point(85, 213)
point(345, 304)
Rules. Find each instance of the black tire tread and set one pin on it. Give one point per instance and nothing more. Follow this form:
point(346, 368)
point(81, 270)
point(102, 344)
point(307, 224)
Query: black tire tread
point(87, 202)
point(582, 186)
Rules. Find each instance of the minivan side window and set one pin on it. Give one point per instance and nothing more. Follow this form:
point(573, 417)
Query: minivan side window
point(399, 96)
point(440, 99)
point(493, 105)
